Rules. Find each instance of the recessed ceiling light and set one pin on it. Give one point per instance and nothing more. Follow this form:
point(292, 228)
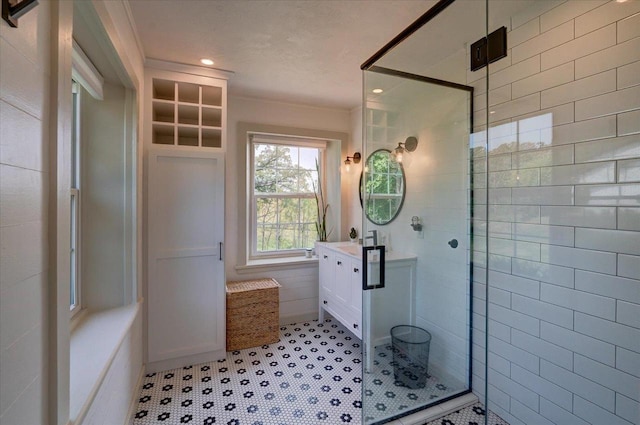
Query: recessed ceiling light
point(206, 61)
point(621, 1)
point(377, 91)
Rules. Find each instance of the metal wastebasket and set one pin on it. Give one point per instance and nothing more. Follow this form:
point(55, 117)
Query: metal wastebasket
point(410, 346)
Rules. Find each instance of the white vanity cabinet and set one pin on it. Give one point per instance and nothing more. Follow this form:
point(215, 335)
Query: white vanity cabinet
point(340, 287)
point(341, 294)
point(327, 273)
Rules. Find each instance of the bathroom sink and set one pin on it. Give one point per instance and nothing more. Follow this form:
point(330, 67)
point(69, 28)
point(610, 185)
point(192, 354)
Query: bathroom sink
point(355, 250)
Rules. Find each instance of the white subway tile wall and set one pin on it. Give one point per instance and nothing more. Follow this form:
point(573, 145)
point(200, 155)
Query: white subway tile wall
point(563, 217)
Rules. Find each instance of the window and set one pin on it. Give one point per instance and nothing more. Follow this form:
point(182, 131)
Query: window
point(74, 280)
point(285, 175)
point(85, 80)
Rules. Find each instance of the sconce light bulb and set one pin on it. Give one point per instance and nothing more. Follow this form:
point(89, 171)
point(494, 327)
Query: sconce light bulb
point(398, 156)
point(347, 165)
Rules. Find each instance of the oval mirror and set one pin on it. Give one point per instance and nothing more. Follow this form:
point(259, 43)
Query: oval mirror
point(383, 188)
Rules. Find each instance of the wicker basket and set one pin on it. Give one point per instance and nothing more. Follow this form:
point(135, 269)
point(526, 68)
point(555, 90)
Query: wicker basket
point(253, 317)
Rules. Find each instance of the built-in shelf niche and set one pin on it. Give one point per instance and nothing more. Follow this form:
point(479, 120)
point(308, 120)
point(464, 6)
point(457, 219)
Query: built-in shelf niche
point(164, 112)
point(212, 117)
point(382, 126)
point(186, 114)
point(188, 136)
point(163, 134)
point(211, 137)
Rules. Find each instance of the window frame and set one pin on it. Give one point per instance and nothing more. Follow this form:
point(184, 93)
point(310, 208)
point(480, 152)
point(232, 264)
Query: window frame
point(75, 225)
point(282, 140)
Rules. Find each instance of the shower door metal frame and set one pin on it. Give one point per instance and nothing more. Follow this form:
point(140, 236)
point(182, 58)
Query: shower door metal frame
point(470, 90)
point(368, 65)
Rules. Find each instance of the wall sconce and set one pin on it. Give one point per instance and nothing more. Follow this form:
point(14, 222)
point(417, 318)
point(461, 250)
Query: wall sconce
point(356, 160)
point(409, 145)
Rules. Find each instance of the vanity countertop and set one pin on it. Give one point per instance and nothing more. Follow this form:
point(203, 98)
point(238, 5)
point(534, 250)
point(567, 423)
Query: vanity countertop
point(355, 251)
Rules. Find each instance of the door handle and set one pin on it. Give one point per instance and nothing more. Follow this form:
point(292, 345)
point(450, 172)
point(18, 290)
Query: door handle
point(221, 245)
point(365, 270)
point(453, 243)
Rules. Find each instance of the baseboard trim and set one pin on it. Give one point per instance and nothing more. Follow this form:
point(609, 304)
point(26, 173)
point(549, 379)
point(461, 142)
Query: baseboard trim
point(297, 318)
point(133, 404)
point(169, 364)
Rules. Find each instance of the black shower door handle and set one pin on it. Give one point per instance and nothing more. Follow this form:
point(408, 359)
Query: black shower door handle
point(365, 268)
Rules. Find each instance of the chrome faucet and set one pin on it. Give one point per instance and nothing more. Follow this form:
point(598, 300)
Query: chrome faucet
point(374, 237)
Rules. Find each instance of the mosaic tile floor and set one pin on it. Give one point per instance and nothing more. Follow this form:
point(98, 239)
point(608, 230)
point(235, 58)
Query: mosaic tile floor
point(311, 376)
point(387, 397)
point(472, 415)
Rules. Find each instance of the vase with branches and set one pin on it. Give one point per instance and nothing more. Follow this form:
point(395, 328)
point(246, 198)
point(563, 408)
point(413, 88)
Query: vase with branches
point(322, 208)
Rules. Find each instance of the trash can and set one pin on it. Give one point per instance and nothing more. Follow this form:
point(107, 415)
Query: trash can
point(410, 347)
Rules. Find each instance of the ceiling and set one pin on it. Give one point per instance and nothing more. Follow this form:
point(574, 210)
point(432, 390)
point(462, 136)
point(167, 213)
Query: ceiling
point(306, 52)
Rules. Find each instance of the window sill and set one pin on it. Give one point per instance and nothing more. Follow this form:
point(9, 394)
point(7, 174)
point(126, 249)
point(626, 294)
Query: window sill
point(95, 341)
point(268, 264)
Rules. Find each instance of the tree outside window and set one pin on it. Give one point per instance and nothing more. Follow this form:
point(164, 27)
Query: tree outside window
point(284, 206)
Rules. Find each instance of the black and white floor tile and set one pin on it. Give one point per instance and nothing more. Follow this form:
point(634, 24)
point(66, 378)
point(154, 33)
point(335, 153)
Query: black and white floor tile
point(387, 397)
point(311, 376)
point(472, 415)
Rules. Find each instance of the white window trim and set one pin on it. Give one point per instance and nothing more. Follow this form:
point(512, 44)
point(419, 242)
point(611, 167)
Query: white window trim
point(76, 217)
point(284, 140)
point(83, 74)
point(77, 306)
point(335, 152)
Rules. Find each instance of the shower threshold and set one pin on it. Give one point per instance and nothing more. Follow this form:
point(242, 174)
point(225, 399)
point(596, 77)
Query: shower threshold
point(438, 411)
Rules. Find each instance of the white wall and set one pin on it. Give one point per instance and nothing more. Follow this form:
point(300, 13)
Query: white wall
point(299, 292)
point(351, 180)
point(564, 217)
point(24, 180)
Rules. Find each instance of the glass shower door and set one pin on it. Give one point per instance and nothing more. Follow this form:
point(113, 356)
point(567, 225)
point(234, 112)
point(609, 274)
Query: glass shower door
point(416, 212)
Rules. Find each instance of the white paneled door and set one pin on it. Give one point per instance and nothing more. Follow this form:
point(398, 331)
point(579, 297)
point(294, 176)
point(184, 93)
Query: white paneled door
point(186, 287)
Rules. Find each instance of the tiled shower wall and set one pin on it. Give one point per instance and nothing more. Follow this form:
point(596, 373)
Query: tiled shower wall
point(563, 217)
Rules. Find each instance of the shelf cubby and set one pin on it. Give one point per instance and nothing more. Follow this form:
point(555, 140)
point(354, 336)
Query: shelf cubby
point(163, 89)
point(212, 96)
point(188, 114)
point(188, 93)
point(163, 134)
point(211, 137)
point(164, 111)
point(392, 119)
point(187, 136)
point(382, 126)
point(211, 117)
point(378, 117)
